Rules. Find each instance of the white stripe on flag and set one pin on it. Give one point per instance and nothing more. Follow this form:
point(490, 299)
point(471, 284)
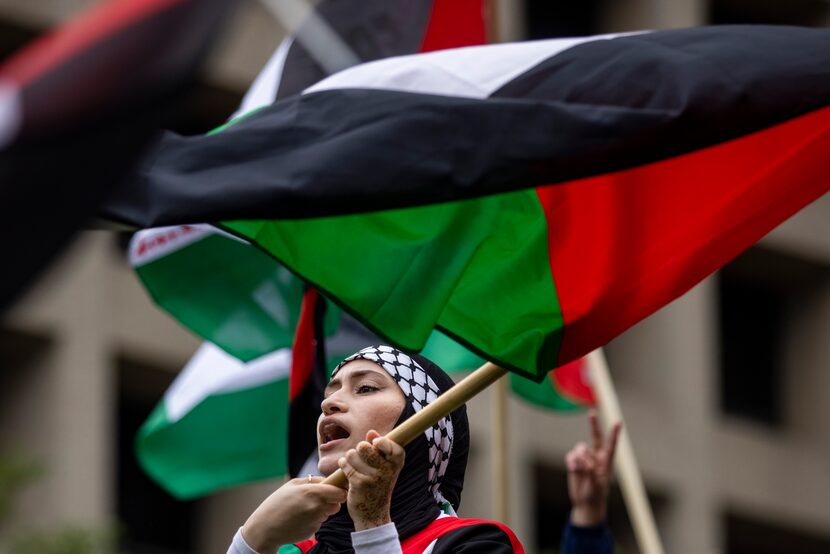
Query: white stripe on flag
point(151, 244)
point(263, 91)
point(11, 113)
point(472, 72)
point(212, 371)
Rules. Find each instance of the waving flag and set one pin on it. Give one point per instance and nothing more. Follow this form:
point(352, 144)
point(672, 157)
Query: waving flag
point(219, 424)
point(673, 151)
point(223, 289)
point(78, 106)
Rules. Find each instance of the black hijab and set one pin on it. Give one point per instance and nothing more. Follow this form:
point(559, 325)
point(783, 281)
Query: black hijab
point(433, 473)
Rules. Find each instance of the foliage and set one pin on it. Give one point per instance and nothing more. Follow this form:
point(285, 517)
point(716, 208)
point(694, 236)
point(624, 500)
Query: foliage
point(15, 474)
point(70, 540)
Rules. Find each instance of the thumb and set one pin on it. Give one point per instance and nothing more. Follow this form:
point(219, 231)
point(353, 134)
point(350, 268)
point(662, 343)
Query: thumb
point(371, 436)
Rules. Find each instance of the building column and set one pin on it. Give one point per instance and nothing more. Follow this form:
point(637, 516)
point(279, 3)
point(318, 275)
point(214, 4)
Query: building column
point(63, 418)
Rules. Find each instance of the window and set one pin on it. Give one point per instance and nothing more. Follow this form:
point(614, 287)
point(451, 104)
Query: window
point(758, 293)
point(797, 12)
point(560, 18)
point(552, 509)
point(745, 535)
point(153, 521)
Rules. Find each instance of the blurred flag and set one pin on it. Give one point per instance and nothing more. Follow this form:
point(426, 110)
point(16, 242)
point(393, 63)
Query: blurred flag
point(223, 289)
point(224, 422)
point(566, 389)
point(78, 107)
point(309, 374)
point(221, 423)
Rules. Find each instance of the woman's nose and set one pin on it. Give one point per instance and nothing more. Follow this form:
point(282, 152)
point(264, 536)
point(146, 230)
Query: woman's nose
point(332, 404)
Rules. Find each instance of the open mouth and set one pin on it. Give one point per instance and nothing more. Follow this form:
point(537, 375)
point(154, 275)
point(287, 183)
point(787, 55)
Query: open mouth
point(331, 431)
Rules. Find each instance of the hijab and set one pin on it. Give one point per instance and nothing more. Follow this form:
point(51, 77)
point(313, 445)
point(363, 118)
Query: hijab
point(433, 474)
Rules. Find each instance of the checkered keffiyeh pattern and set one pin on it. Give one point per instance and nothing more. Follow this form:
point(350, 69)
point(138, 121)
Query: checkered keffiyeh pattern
point(419, 390)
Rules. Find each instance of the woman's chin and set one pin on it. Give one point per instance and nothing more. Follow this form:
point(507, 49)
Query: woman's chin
point(327, 465)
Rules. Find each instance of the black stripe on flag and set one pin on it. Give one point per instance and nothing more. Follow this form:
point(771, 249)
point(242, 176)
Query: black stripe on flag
point(595, 108)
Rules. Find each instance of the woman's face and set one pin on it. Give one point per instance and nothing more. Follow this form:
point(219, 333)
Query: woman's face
point(360, 397)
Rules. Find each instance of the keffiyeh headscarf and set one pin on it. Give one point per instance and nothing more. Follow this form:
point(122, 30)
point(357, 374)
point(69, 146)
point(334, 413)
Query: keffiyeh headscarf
point(433, 474)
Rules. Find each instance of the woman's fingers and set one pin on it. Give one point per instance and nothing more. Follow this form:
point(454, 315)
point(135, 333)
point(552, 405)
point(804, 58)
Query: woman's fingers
point(580, 459)
point(365, 459)
point(612, 441)
point(596, 431)
point(390, 450)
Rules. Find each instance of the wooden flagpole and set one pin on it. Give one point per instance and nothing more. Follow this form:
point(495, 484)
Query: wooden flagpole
point(498, 451)
point(463, 391)
point(628, 473)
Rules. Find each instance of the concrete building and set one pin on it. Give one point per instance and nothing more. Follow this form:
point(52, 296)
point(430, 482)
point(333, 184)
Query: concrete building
point(723, 390)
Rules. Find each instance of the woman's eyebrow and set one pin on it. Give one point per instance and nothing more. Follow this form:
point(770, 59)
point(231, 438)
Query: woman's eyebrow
point(357, 374)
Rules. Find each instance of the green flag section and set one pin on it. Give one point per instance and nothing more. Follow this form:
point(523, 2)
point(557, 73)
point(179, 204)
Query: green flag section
point(221, 423)
point(478, 270)
point(219, 287)
point(566, 389)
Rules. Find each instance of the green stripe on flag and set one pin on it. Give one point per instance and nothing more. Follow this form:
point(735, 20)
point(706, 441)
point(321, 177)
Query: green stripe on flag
point(454, 358)
point(225, 440)
point(449, 355)
point(478, 269)
point(228, 293)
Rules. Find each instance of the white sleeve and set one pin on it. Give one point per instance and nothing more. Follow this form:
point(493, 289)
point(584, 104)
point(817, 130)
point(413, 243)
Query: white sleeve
point(239, 546)
point(377, 540)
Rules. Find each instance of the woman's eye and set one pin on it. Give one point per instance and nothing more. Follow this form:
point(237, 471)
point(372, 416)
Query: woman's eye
point(362, 389)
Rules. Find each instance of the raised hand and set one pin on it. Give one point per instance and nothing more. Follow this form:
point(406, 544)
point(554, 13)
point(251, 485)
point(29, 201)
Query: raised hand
point(589, 474)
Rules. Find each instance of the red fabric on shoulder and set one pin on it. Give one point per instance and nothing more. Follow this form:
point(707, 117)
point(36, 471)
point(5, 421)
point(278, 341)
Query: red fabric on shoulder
point(306, 545)
point(418, 542)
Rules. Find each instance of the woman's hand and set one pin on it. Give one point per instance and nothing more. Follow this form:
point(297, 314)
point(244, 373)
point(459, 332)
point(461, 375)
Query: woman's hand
point(292, 513)
point(372, 470)
point(589, 475)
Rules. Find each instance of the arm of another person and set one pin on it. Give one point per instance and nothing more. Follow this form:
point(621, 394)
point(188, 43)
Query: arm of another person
point(589, 482)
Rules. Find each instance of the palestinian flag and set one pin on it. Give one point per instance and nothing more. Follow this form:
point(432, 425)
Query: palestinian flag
point(221, 423)
point(309, 375)
point(78, 107)
point(221, 288)
point(656, 158)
